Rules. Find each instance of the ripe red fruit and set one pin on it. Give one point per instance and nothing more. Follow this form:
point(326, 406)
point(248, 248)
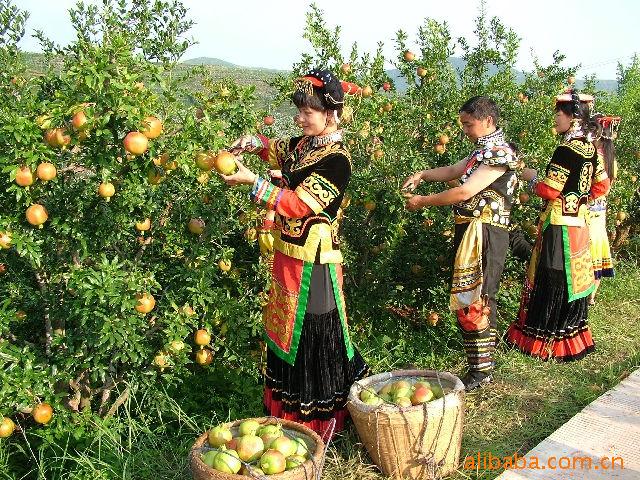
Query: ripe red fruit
point(269, 120)
point(136, 143)
point(79, 120)
point(386, 86)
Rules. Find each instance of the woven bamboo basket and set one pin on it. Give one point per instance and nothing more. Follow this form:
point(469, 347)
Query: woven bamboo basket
point(420, 442)
point(310, 470)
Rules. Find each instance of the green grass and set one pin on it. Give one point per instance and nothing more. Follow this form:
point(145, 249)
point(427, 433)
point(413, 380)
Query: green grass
point(528, 401)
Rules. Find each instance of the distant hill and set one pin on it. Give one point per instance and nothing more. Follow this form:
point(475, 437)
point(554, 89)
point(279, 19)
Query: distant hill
point(223, 63)
point(458, 64)
point(209, 61)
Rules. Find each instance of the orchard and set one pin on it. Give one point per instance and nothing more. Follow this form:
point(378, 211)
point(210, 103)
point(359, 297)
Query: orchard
point(130, 278)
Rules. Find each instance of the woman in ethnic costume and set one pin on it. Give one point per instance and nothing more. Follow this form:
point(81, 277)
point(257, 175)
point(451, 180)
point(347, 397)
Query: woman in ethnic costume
point(311, 362)
point(482, 205)
point(597, 216)
point(552, 321)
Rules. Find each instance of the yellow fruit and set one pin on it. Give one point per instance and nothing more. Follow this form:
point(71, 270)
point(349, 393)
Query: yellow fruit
point(196, 226)
point(152, 127)
point(224, 265)
point(106, 190)
point(7, 427)
point(5, 240)
point(204, 357)
point(201, 337)
point(36, 215)
point(225, 163)
point(144, 225)
point(46, 171)
point(145, 302)
point(42, 413)
point(24, 176)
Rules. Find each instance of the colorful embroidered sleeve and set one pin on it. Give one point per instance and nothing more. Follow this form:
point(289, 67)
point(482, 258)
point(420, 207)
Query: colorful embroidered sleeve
point(545, 191)
point(326, 183)
point(272, 151)
point(558, 169)
point(601, 173)
point(283, 201)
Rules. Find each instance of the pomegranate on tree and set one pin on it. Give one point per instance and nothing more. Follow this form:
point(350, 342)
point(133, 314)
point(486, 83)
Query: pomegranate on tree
point(36, 215)
point(136, 143)
point(46, 171)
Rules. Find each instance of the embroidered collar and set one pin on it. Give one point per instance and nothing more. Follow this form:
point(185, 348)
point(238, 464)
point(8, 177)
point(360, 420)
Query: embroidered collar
point(496, 137)
point(322, 140)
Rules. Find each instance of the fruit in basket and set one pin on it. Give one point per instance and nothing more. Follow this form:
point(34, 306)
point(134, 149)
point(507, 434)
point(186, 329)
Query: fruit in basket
point(402, 390)
point(421, 395)
point(373, 401)
point(227, 461)
point(220, 435)
point(284, 445)
point(233, 444)
point(386, 390)
point(269, 429)
point(422, 383)
point(403, 402)
point(437, 391)
point(207, 457)
point(268, 439)
point(250, 448)
point(367, 393)
point(302, 449)
point(248, 427)
point(272, 462)
point(397, 385)
point(294, 461)
point(385, 397)
point(250, 471)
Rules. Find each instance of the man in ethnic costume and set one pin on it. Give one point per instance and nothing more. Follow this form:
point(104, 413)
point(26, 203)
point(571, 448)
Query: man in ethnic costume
point(311, 362)
point(552, 321)
point(482, 206)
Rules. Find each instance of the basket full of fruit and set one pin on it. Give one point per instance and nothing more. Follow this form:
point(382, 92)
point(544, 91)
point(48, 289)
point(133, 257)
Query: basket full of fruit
point(410, 421)
point(258, 448)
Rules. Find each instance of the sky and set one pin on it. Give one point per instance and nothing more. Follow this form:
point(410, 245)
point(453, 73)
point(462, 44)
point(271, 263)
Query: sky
point(593, 33)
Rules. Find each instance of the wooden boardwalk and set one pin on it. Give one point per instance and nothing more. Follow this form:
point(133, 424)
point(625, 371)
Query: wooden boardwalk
point(600, 442)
